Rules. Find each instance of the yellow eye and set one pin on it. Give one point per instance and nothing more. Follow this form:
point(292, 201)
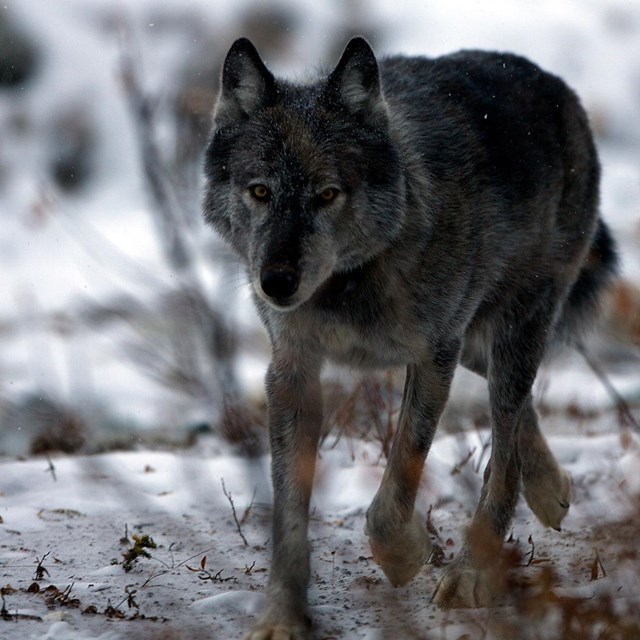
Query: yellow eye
point(328, 195)
point(260, 192)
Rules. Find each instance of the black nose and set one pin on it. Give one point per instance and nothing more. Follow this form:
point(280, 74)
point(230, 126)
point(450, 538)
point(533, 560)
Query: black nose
point(279, 281)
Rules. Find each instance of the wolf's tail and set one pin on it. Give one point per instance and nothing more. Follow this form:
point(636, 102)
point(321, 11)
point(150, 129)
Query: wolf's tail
point(598, 271)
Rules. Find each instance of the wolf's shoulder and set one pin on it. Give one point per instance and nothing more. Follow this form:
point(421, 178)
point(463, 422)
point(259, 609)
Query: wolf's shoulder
point(467, 71)
point(459, 64)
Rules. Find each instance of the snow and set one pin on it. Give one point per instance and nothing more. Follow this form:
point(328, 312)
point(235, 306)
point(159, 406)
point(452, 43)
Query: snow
point(61, 254)
point(237, 602)
point(79, 516)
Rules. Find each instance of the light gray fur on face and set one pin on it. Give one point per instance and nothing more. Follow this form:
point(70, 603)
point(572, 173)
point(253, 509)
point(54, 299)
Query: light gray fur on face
point(292, 160)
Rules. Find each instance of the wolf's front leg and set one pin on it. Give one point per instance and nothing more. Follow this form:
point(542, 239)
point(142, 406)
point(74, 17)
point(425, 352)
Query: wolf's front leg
point(397, 534)
point(295, 416)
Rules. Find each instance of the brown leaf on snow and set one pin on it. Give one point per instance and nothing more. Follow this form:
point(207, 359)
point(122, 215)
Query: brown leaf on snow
point(597, 568)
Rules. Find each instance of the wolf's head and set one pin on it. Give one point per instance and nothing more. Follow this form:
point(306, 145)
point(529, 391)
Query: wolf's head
point(303, 181)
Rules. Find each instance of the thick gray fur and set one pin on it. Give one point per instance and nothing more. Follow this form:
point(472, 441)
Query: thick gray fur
point(416, 212)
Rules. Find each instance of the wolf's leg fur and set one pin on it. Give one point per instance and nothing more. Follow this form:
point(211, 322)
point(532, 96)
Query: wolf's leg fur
point(397, 534)
point(545, 485)
point(295, 417)
point(475, 578)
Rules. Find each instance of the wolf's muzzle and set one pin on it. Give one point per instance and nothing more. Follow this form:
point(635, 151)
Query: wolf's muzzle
point(279, 281)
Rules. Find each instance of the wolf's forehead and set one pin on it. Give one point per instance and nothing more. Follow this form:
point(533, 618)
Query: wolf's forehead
point(295, 131)
point(292, 140)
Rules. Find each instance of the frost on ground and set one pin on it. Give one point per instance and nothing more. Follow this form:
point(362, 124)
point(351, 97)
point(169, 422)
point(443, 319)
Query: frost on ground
point(67, 523)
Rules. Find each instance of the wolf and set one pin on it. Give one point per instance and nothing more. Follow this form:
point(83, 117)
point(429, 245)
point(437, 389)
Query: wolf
point(408, 212)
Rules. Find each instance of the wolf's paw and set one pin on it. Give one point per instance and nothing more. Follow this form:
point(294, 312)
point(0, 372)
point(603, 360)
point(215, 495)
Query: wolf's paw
point(464, 586)
point(402, 553)
point(271, 631)
point(282, 621)
point(548, 495)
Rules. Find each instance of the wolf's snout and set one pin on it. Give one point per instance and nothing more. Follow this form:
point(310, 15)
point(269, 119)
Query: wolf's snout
point(279, 281)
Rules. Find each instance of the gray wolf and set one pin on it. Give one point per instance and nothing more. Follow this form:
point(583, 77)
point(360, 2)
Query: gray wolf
point(416, 212)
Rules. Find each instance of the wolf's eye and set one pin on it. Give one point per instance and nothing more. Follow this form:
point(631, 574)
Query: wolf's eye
point(260, 192)
point(328, 195)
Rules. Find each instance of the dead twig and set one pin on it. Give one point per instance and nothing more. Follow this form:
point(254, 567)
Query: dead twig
point(4, 613)
point(245, 515)
point(41, 571)
point(205, 574)
point(624, 410)
point(458, 468)
point(597, 568)
point(233, 511)
point(51, 469)
point(485, 445)
point(532, 552)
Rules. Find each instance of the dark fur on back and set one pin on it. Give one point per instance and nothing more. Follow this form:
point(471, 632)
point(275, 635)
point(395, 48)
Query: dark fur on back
point(491, 133)
point(417, 212)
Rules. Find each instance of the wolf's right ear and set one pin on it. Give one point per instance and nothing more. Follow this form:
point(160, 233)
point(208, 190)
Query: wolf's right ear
point(355, 82)
point(246, 86)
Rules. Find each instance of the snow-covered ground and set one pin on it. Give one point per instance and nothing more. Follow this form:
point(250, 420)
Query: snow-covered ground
point(77, 265)
point(203, 581)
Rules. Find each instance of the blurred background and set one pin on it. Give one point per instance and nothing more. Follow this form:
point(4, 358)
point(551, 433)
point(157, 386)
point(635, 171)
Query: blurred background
point(123, 320)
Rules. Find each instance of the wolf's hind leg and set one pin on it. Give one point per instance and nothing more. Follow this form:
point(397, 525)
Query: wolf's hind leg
point(545, 485)
point(397, 533)
point(476, 577)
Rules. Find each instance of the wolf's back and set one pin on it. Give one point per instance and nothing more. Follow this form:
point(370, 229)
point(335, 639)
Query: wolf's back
point(504, 120)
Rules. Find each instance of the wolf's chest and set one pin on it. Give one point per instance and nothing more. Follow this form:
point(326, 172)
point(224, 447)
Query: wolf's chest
point(373, 347)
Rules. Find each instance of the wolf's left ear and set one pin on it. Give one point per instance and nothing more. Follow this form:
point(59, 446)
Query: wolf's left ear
point(247, 85)
point(355, 82)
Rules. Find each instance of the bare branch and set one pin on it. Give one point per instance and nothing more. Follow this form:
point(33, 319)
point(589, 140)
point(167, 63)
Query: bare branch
point(233, 511)
point(624, 410)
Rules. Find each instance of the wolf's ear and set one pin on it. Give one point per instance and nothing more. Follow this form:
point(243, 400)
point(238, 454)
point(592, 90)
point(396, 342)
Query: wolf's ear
point(247, 85)
point(355, 82)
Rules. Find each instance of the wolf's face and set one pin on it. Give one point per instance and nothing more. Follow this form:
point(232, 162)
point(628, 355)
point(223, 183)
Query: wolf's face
point(303, 181)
